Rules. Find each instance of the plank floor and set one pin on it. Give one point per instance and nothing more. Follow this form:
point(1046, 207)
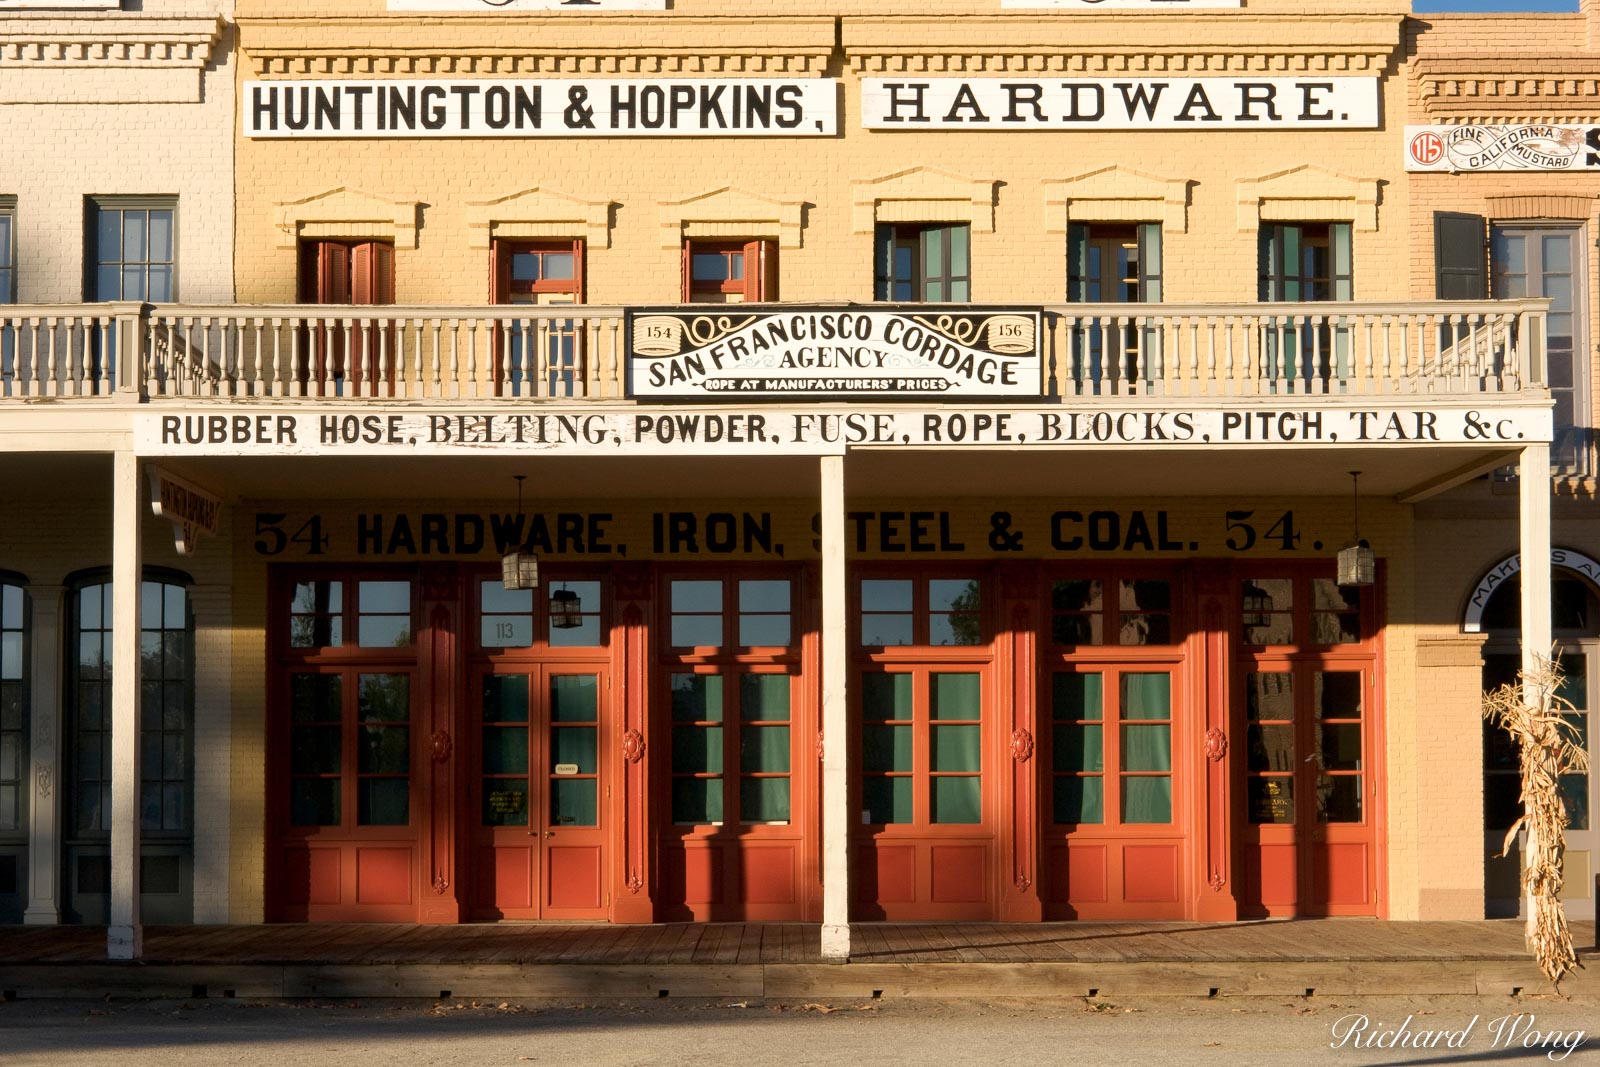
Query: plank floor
point(1306, 940)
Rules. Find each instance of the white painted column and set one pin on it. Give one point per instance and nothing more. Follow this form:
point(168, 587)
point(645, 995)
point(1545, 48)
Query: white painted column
point(1534, 486)
point(125, 936)
point(46, 805)
point(835, 721)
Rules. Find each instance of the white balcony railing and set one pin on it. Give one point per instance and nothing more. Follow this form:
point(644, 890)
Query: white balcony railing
point(152, 353)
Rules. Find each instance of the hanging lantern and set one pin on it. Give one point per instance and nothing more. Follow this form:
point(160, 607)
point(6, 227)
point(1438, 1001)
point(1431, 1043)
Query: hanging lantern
point(1357, 564)
point(566, 609)
point(519, 569)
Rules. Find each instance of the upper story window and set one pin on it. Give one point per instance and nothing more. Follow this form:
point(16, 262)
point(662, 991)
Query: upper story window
point(1305, 261)
point(132, 253)
point(918, 262)
point(346, 272)
point(8, 250)
point(1114, 262)
point(323, 615)
point(729, 272)
point(934, 611)
point(543, 273)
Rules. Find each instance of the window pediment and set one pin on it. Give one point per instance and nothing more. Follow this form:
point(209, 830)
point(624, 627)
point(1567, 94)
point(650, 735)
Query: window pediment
point(731, 212)
point(923, 194)
point(539, 212)
point(1116, 194)
point(346, 212)
point(1308, 193)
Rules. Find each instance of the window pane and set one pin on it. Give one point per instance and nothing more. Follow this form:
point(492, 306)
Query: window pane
point(384, 598)
point(958, 595)
point(505, 802)
point(1147, 696)
point(955, 630)
point(885, 696)
point(1338, 798)
point(1270, 696)
point(383, 749)
point(764, 800)
point(956, 800)
point(697, 596)
point(1147, 748)
point(764, 697)
point(133, 243)
point(383, 802)
point(495, 598)
point(161, 236)
point(886, 800)
point(384, 631)
point(885, 748)
point(709, 266)
point(316, 697)
point(696, 800)
point(1271, 748)
point(697, 749)
point(1271, 800)
point(503, 631)
point(505, 698)
point(885, 595)
point(1337, 694)
point(762, 631)
point(696, 698)
point(1341, 746)
point(956, 696)
point(1146, 800)
point(560, 266)
point(159, 284)
point(314, 802)
point(505, 750)
point(1075, 595)
point(765, 750)
point(575, 698)
point(108, 235)
point(575, 745)
point(572, 802)
point(314, 750)
point(886, 630)
point(385, 698)
point(955, 748)
point(697, 631)
point(1080, 800)
point(1079, 748)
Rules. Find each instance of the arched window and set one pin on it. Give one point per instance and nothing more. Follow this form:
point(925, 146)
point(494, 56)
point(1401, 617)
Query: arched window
point(166, 758)
point(14, 655)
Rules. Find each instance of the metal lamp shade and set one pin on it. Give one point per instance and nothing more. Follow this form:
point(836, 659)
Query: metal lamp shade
point(565, 609)
point(520, 570)
point(1357, 564)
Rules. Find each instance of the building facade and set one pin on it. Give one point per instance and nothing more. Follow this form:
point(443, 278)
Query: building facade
point(980, 565)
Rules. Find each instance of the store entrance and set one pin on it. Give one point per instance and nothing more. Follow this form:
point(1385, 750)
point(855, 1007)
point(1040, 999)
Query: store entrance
point(538, 849)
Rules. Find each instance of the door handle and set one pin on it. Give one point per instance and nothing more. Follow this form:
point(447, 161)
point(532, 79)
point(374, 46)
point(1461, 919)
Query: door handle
point(548, 834)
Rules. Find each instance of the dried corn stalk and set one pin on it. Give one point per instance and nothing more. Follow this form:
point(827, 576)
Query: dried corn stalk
point(1548, 743)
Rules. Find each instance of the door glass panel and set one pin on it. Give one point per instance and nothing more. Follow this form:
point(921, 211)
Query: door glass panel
point(957, 801)
point(1077, 616)
point(315, 748)
point(886, 612)
point(383, 750)
point(1078, 746)
point(1336, 700)
point(955, 710)
point(572, 802)
point(1267, 606)
point(574, 746)
point(1146, 748)
point(575, 698)
point(954, 617)
point(505, 698)
point(764, 613)
point(1146, 801)
point(383, 614)
point(886, 800)
point(696, 614)
point(315, 619)
point(1146, 612)
point(697, 748)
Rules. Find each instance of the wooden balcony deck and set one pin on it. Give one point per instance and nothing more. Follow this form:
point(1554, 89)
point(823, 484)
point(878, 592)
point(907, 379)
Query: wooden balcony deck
point(778, 960)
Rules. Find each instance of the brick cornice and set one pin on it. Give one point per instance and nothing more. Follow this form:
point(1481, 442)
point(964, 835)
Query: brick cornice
point(1514, 87)
point(1089, 45)
point(112, 40)
point(524, 45)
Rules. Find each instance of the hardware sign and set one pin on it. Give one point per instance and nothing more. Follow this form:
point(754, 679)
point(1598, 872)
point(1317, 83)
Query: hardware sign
point(885, 351)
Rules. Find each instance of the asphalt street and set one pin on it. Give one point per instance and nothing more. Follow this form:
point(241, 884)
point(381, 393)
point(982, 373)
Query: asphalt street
point(1169, 1031)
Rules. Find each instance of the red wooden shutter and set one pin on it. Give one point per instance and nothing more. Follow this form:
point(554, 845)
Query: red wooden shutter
point(761, 270)
point(580, 294)
point(372, 273)
point(324, 272)
point(499, 273)
point(688, 271)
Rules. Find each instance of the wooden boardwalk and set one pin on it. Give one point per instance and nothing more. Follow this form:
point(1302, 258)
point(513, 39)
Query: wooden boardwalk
point(1305, 957)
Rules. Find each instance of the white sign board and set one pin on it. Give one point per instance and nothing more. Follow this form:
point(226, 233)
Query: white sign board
point(1119, 5)
point(1512, 146)
point(774, 430)
point(191, 509)
point(1508, 568)
point(541, 107)
point(496, 7)
point(819, 352)
point(1119, 103)
point(76, 5)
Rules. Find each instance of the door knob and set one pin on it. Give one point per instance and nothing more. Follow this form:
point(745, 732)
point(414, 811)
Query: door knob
point(549, 834)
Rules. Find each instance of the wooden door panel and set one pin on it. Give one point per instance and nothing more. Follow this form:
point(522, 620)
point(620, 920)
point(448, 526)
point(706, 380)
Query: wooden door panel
point(384, 875)
point(574, 878)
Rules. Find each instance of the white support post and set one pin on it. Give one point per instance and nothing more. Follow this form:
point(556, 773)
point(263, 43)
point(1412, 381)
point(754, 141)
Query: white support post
point(125, 936)
point(835, 722)
point(46, 806)
point(1534, 486)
